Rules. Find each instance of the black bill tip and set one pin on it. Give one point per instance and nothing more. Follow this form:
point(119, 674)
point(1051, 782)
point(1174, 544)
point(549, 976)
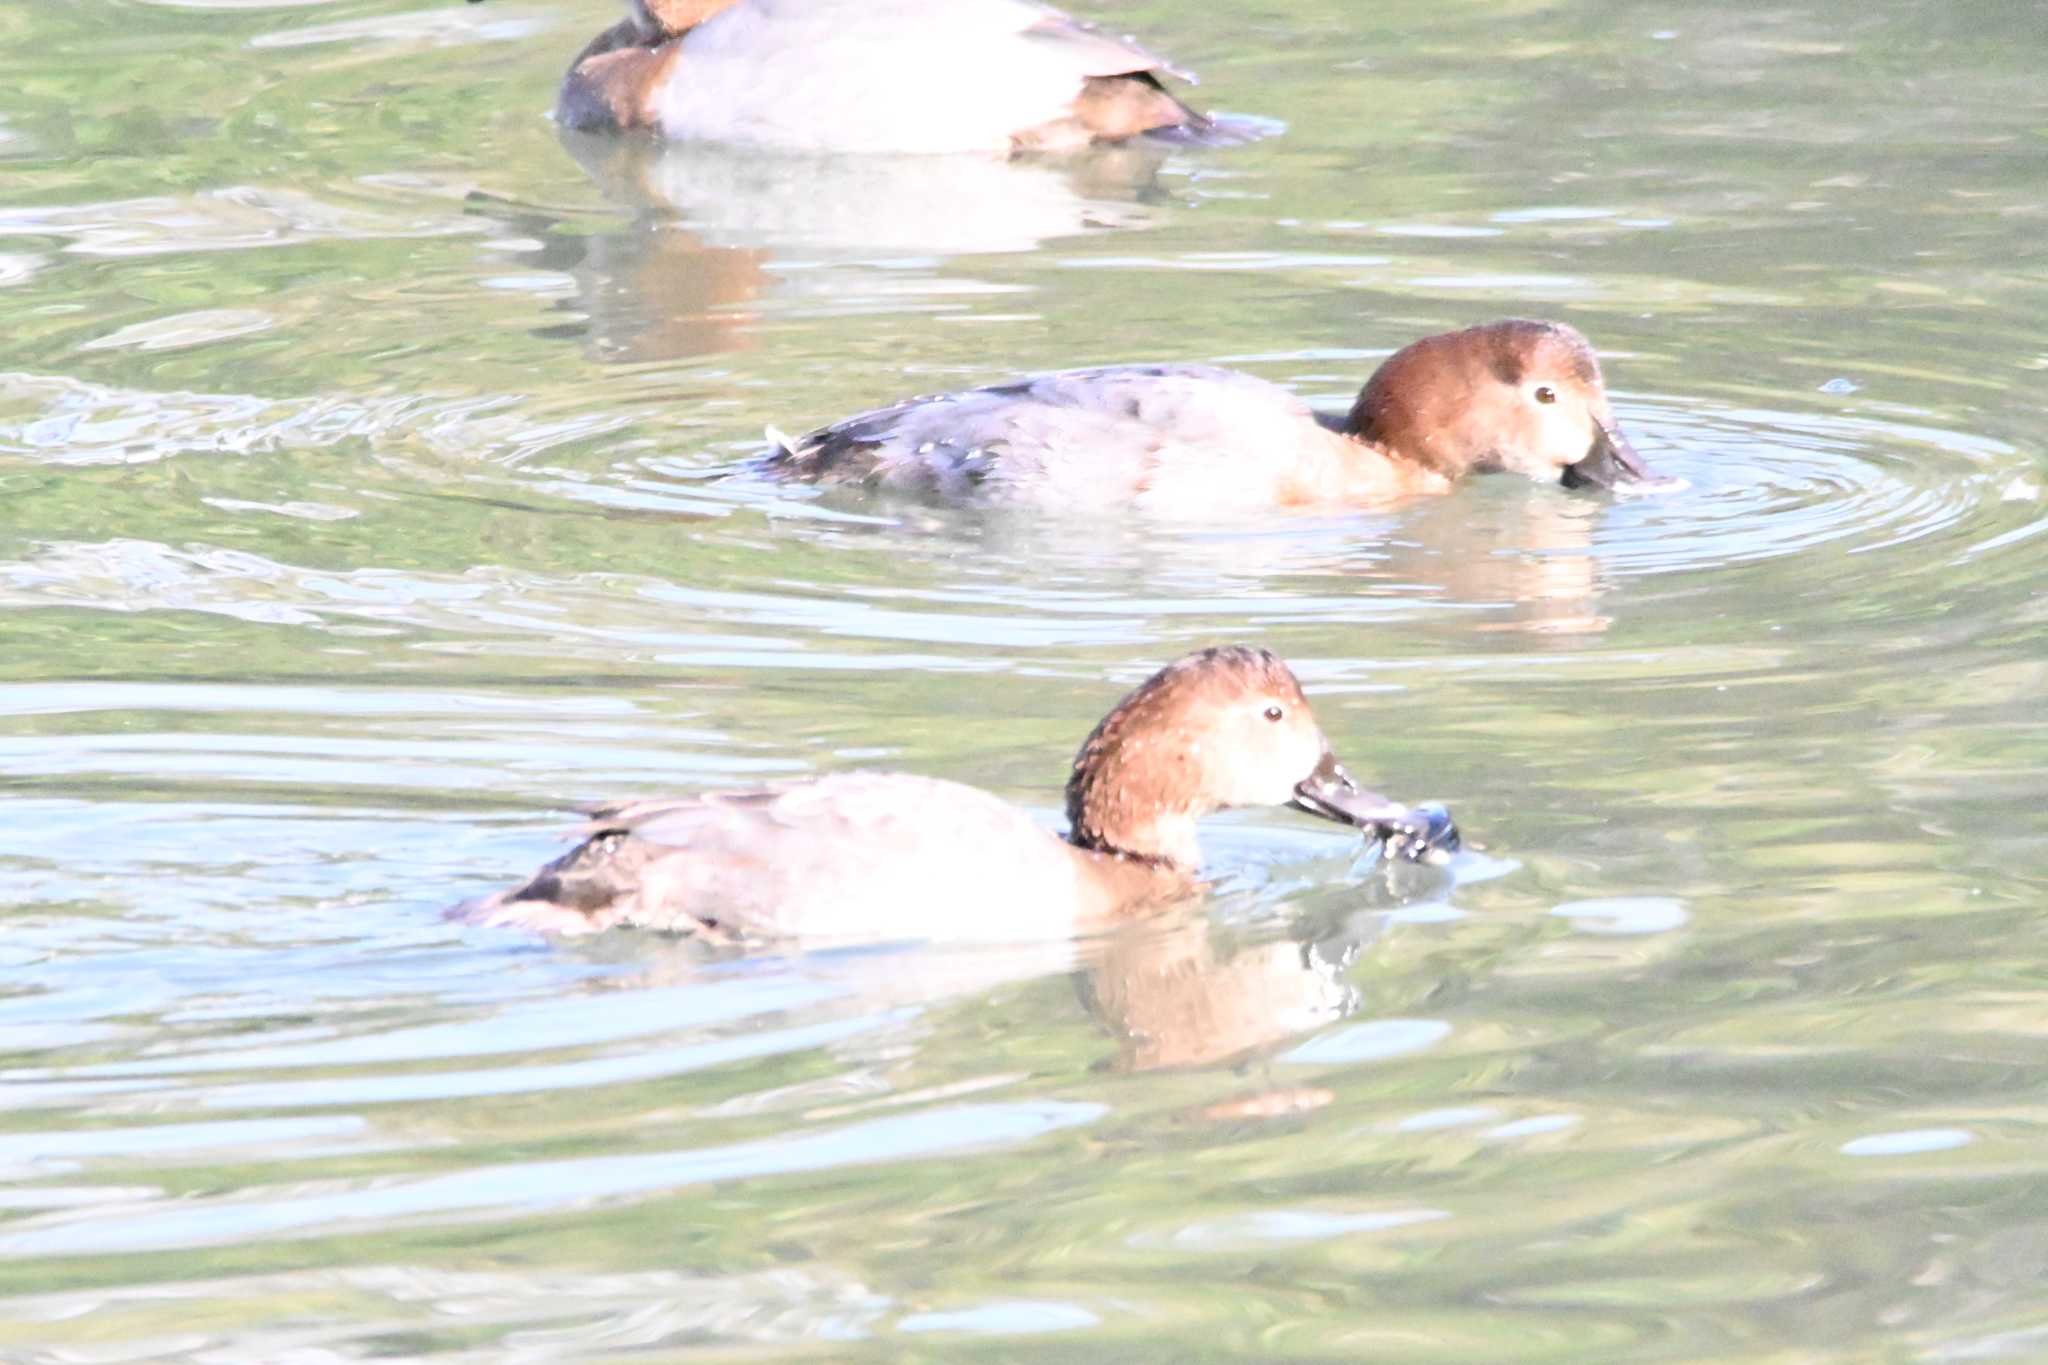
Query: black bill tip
point(1330, 793)
point(1611, 460)
point(1411, 834)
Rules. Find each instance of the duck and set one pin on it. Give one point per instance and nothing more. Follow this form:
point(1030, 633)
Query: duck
point(1004, 77)
point(890, 856)
point(1518, 396)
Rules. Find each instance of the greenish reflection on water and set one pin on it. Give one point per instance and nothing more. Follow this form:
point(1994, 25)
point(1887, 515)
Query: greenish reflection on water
point(359, 444)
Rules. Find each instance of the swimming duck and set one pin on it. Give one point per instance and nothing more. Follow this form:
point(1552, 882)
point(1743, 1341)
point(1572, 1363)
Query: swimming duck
point(892, 856)
point(1001, 76)
point(1517, 396)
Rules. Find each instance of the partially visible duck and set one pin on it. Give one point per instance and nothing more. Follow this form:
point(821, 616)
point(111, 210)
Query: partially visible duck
point(1001, 76)
point(858, 209)
point(890, 856)
point(1515, 396)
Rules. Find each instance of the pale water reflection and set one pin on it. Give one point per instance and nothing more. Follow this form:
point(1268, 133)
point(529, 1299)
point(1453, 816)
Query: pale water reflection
point(374, 489)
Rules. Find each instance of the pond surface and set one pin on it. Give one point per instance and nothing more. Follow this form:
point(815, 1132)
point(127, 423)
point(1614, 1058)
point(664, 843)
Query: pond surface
point(364, 509)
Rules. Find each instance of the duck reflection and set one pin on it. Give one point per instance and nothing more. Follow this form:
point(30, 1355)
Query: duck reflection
point(655, 291)
point(1491, 559)
point(716, 230)
point(1532, 558)
point(864, 207)
point(1178, 991)
point(1190, 994)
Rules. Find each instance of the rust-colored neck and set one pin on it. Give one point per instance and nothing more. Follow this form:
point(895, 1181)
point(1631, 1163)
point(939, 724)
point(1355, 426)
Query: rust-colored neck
point(1128, 794)
point(661, 20)
point(1123, 809)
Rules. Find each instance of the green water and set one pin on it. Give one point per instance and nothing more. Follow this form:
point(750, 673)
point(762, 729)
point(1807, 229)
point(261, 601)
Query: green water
point(360, 514)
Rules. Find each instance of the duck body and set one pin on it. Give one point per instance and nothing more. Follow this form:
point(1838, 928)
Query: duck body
point(863, 76)
point(837, 858)
point(892, 856)
point(1202, 440)
point(1161, 438)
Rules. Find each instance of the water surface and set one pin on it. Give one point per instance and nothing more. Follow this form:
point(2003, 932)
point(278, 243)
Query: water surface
point(363, 451)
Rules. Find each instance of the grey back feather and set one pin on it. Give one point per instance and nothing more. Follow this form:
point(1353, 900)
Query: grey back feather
point(1097, 432)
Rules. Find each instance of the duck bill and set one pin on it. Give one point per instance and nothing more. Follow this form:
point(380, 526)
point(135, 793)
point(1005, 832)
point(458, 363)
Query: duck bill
point(1330, 794)
point(1611, 461)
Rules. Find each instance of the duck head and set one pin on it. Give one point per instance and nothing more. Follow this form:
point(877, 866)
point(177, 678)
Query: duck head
point(1221, 727)
point(665, 19)
point(1516, 396)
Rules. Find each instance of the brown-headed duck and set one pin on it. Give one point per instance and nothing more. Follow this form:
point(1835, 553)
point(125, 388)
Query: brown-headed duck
point(1515, 396)
point(995, 76)
point(891, 856)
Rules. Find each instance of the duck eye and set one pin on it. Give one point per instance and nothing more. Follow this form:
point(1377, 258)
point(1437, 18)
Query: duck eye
point(1274, 713)
point(1545, 394)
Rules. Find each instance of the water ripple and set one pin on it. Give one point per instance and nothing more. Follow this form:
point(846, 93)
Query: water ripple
point(1765, 484)
point(526, 1189)
point(238, 218)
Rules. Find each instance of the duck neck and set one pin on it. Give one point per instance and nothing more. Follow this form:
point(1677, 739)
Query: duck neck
point(1115, 812)
point(1367, 467)
point(1354, 468)
point(1159, 849)
point(658, 21)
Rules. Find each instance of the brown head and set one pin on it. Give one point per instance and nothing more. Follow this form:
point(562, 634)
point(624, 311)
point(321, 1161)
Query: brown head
point(1220, 727)
point(661, 20)
point(1519, 396)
